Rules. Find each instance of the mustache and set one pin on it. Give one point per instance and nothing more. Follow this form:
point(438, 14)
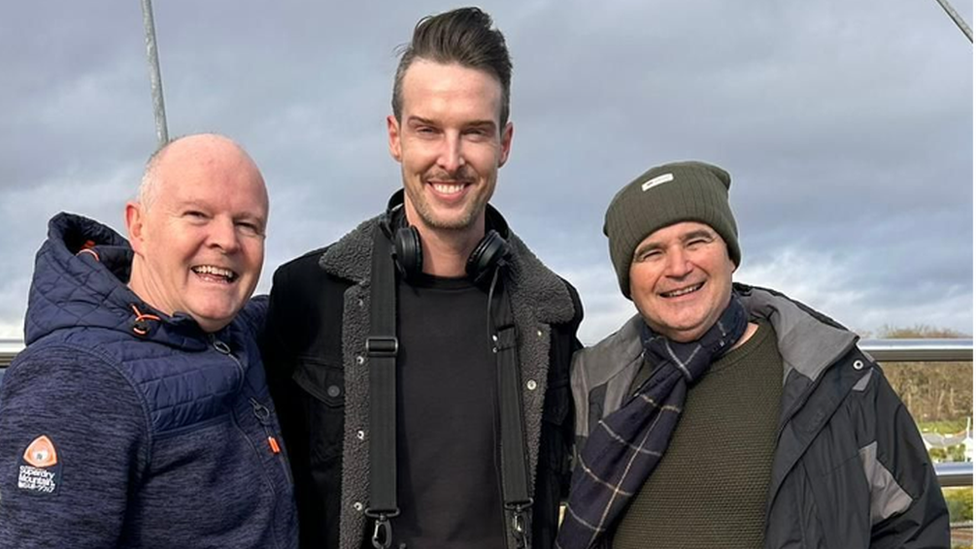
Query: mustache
point(464, 174)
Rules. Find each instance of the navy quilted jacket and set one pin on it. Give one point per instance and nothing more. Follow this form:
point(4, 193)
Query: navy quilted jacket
point(120, 431)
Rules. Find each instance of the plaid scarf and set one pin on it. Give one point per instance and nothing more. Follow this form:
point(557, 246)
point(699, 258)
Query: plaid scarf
point(626, 446)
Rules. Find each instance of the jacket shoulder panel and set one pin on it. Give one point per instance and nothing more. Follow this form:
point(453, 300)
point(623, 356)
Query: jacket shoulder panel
point(601, 375)
point(179, 387)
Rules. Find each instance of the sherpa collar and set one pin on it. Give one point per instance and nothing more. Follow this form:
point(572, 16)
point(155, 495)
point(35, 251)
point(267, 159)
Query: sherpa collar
point(531, 284)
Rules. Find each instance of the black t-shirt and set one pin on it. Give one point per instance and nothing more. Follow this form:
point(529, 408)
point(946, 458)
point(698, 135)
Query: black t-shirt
point(448, 485)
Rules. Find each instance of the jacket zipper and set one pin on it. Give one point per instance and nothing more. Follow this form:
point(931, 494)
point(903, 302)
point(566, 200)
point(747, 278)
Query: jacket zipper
point(263, 414)
point(224, 349)
point(267, 479)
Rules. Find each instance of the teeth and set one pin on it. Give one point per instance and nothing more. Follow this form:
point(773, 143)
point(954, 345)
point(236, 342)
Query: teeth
point(211, 270)
point(447, 189)
point(683, 291)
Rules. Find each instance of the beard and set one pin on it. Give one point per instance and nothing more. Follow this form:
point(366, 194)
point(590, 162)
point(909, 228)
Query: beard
point(472, 207)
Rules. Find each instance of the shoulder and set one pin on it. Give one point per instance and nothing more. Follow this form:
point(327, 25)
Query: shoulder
point(57, 375)
point(251, 318)
point(614, 355)
point(302, 262)
point(537, 287)
point(91, 349)
point(348, 259)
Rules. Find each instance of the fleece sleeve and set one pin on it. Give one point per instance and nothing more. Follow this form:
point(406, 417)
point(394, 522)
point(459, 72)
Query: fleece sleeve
point(72, 447)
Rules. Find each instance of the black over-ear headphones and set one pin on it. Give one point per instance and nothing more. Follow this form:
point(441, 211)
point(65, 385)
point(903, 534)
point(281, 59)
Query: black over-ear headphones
point(491, 252)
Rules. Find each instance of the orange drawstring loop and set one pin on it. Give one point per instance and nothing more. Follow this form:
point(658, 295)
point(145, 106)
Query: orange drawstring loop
point(90, 251)
point(140, 322)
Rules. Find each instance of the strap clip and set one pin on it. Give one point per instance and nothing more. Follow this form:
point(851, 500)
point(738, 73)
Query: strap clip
point(382, 529)
point(519, 523)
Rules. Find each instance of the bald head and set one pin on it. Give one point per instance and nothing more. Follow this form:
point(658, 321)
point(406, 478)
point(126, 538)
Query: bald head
point(194, 149)
point(198, 229)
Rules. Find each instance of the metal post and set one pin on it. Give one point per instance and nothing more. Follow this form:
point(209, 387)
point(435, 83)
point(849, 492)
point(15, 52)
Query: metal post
point(957, 19)
point(155, 80)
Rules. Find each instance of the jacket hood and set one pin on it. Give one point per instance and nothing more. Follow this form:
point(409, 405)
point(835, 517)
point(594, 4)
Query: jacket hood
point(80, 277)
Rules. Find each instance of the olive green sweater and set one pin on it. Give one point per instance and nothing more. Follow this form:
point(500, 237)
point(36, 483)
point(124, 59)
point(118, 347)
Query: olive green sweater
point(709, 490)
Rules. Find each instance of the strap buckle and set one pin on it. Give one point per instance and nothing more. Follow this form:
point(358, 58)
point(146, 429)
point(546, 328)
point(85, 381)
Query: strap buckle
point(382, 346)
point(519, 522)
point(382, 529)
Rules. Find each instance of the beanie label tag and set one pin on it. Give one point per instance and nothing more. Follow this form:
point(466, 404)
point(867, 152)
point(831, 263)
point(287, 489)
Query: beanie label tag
point(655, 181)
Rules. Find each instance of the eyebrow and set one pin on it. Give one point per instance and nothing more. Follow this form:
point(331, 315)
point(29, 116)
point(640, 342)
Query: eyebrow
point(414, 120)
point(197, 204)
point(699, 233)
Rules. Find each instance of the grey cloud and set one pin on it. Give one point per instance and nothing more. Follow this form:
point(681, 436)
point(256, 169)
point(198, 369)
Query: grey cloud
point(847, 129)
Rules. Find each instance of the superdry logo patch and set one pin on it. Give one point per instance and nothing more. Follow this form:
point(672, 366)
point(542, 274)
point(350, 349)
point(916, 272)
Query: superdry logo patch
point(41, 452)
point(40, 469)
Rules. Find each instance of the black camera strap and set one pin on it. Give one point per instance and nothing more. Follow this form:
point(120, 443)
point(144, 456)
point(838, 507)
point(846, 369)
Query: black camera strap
point(515, 481)
point(381, 350)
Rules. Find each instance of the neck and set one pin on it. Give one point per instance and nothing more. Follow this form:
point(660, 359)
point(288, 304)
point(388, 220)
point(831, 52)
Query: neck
point(446, 251)
point(144, 286)
point(750, 331)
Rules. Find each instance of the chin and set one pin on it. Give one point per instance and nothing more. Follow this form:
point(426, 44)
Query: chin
point(218, 317)
point(211, 324)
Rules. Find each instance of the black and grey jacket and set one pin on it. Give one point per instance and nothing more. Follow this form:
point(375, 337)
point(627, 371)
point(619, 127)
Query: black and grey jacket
point(849, 469)
point(318, 371)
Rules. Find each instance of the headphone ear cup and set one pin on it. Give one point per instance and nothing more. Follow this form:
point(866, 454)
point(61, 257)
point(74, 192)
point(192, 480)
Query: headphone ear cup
point(409, 255)
point(491, 251)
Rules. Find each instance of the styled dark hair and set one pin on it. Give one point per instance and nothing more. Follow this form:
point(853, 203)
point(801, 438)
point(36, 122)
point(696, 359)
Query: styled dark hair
point(463, 36)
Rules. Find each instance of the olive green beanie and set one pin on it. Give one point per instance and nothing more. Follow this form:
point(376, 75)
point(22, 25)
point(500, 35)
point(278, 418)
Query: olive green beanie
point(663, 196)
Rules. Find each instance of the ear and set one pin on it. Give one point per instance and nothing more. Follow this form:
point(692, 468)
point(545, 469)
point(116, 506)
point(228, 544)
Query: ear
point(393, 133)
point(506, 144)
point(135, 225)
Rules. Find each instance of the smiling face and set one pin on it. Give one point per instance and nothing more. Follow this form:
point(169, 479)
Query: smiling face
point(681, 280)
point(199, 241)
point(449, 144)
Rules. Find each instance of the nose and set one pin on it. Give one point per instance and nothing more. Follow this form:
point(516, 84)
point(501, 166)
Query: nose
point(677, 265)
point(223, 235)
point(451, 158)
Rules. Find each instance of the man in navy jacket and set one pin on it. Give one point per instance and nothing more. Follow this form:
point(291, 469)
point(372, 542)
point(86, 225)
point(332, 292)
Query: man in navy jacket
point(138, 415)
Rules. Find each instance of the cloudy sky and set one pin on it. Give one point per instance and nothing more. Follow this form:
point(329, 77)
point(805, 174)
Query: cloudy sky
point(847, 128)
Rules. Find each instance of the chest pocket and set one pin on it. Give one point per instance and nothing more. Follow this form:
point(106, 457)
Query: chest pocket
point(323, 403)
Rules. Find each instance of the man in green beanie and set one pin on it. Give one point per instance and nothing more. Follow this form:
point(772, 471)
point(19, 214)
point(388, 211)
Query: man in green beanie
point(724, 415)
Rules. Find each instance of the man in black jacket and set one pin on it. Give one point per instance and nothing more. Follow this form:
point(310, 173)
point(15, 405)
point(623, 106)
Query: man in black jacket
point(420, 364)
point(728, 416)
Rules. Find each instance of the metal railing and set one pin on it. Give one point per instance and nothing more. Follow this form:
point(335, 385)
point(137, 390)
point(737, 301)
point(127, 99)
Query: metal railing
point(883, 350)
point(918, 350)
point(9, 349)
point(951, 474)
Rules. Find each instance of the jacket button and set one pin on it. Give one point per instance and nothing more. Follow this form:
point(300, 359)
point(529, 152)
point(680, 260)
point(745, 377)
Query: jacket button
point(531, 385)
point(333, 391)
point(858, 364)
point(360, 360)
point(357, 506)
point(538, 333)
point(361, 435)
